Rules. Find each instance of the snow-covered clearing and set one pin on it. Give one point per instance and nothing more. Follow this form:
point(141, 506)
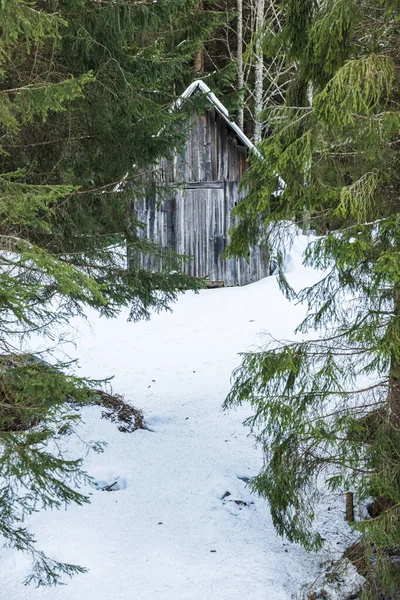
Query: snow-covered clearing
point(168, 533)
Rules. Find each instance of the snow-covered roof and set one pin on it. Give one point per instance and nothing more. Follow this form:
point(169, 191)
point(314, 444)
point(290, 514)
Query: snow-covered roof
point(200, 86)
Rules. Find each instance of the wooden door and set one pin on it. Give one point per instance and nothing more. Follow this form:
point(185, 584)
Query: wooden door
point(200, 230)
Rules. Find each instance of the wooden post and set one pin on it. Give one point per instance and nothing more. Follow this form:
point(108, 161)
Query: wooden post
point(349, 507)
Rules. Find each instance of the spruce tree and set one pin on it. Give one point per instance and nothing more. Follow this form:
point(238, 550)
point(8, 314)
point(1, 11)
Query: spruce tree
point(327, 409)
point(85, 89)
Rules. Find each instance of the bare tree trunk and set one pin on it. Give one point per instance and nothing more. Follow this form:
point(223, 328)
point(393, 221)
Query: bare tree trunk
point(199, 58)
point(199, 61)
point(394, 377)
point(306, 212)
point(259, 72)
point(240, 57)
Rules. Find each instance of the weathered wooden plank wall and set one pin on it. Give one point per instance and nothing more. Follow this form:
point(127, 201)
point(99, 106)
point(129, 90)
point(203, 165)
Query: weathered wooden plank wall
point(195, 218)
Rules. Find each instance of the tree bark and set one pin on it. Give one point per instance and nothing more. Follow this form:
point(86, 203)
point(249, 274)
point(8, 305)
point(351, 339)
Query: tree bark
point(199, 61)
point(394, 376)
point(349, 507)
point(199, 58)
point(259, 71)
point(240, 57)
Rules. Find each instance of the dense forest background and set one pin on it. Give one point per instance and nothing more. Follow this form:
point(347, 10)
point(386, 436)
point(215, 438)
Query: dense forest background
point(85, 92)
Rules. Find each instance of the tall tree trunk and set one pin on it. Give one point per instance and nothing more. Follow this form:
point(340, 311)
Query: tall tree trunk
point(394, 376)
point(240, 57)
point(199, 61)
point(199, 58)
point(259, 69)
point(306, 213)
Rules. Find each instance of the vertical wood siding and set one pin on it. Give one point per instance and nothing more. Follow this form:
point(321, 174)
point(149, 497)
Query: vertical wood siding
point(194, 219)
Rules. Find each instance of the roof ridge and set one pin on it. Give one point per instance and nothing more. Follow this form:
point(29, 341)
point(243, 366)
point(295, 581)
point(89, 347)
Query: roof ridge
point(223, 111)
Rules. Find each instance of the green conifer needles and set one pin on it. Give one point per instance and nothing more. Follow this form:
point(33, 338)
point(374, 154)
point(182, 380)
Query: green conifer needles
point(84, 97)
point(356, 90)
point(327, 410)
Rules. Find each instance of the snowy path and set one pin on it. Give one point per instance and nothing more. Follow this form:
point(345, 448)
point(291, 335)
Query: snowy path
point(169, 535)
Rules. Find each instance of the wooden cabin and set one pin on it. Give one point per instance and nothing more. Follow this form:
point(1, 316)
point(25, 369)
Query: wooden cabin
point(195, 217)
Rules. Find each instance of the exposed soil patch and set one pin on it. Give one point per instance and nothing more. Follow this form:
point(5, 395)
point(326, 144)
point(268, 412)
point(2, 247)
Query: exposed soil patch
point(365, 562)
point(129, 417)
point(357, 555)
point(107, 484)
point(227, 497)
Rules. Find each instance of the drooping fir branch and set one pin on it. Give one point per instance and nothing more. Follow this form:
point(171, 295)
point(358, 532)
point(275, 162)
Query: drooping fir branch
point(312, 400)
point(36, 416)
point(84, 97)
point(326, 410)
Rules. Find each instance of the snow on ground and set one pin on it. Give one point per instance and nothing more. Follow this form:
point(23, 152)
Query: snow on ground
point(170, 531)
